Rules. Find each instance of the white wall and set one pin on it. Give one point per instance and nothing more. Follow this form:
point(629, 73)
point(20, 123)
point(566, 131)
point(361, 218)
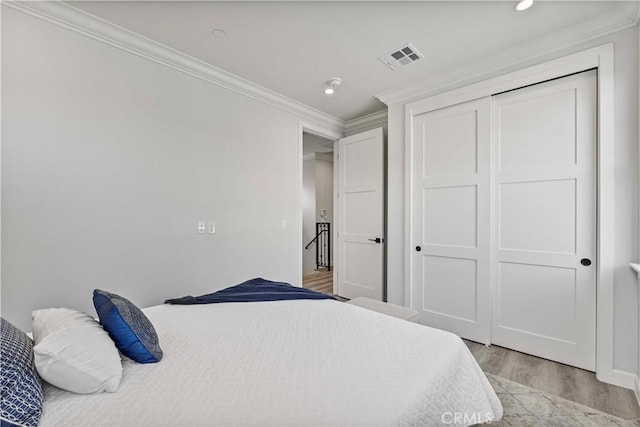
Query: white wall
point(637, 381)
point(108, 162)
point(317, 195)
point(324, 189)
point(395, 205)
point(308, 214)
point(626, 193)
point(626, 201)
point(324, 186)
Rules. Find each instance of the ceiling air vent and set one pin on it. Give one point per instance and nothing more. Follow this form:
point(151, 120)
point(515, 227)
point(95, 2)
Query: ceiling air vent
point(401, 57)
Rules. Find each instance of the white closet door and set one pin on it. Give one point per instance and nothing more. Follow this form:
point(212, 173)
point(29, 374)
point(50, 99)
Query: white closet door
point(451, 184)
point(544, 198)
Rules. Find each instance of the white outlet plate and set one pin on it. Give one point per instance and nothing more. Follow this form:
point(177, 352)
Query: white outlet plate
point(212, 227)
point(202, 227)
point(283, 225)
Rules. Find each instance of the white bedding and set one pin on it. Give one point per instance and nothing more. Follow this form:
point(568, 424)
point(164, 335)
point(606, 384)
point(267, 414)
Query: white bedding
point(287, 363)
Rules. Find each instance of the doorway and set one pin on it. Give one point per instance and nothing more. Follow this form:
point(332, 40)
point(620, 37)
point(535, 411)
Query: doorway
point(317, 213)
point(342, 235)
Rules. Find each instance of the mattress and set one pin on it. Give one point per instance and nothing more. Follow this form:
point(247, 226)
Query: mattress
point(287, 363)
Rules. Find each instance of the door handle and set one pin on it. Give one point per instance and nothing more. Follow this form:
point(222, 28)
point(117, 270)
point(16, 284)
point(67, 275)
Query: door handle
point(585, 261)
point(377, 240)
point(418, 248)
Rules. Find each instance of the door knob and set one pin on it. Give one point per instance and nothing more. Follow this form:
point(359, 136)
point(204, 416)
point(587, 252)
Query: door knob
point(585, 261)
point(418, 248)
point(377, 240)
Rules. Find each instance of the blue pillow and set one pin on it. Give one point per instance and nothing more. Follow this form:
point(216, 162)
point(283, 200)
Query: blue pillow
point(21, 391)
point(128, 327)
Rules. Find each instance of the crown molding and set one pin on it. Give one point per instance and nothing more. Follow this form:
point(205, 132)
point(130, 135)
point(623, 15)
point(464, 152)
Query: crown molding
point(368, 121)
point(625, 15)
point(81, 22)
point(319, 156)
point(324, 156)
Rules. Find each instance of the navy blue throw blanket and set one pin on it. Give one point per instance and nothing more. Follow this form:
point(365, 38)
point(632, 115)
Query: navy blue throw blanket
point(253, 290)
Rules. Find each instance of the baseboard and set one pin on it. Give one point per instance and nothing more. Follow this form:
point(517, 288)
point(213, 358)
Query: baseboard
point(624, 379)
point(637, 388)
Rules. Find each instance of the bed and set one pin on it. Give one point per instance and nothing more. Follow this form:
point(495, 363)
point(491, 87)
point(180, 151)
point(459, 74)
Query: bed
point(288, 363)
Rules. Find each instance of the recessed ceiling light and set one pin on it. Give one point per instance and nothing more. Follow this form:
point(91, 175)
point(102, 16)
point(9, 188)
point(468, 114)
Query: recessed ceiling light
point(332, 84)
point(218, 33)
point(523, 5)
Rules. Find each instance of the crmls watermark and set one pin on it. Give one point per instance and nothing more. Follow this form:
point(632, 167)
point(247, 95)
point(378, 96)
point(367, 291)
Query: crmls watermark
point(466, 418)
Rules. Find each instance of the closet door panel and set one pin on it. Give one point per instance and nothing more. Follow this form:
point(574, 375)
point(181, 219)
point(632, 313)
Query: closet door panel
point(451, 219)
point(543, 273)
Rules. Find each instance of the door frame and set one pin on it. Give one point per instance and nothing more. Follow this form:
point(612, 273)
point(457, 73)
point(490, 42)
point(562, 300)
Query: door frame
point(334, 135)
point(602, 59)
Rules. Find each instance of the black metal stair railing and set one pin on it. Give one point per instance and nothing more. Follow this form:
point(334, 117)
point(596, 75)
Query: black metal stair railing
point(323, 245)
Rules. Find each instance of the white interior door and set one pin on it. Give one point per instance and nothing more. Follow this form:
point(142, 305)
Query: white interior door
point(451, 180)
point(544, 298)
point(361, 215)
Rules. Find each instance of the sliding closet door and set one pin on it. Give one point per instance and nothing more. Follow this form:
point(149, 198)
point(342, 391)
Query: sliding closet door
point(451, 219)
point(544, 199)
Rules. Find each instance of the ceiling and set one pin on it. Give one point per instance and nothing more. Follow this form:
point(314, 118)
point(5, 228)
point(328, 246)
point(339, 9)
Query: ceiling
point(315, 144)
point(293, 48)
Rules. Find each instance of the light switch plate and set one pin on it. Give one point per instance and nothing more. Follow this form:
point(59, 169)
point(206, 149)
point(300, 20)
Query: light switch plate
point(212, 227)
point(202, 227)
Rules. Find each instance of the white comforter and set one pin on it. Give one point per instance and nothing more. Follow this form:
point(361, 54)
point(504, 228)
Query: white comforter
point(288, 363)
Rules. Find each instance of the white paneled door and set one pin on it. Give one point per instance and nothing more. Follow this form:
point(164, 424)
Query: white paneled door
point(504, 219)
point(544, 293)
point(361, 215)
point(451, 219)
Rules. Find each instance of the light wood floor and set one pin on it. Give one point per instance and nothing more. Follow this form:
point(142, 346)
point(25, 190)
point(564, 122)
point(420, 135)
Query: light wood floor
point(555, 378)
point(319, 280)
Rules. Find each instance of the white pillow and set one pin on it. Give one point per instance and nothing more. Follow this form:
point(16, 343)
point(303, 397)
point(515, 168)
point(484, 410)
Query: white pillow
point(73, 352)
